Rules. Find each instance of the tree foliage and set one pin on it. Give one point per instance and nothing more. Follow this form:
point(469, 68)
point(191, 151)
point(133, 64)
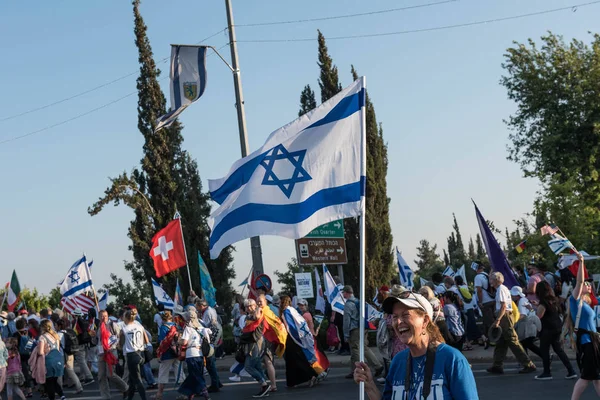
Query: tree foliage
point(307, 100)
point(167, 181)
point(428, 260)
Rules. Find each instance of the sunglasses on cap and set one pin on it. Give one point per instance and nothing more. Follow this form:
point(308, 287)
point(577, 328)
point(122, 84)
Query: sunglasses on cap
point(407, 294)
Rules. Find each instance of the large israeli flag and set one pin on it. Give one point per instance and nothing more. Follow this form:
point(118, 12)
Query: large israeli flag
point(308, 173)
point(405, 273)
point(78, 279)
point(188, 80)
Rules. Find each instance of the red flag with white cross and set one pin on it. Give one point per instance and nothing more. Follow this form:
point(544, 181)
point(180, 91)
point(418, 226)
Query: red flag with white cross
point(168, 252)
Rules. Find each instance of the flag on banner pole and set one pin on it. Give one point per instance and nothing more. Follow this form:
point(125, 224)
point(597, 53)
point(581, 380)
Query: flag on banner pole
point(326, 182)
point(449, 271)
point(521, 246)
point(168, 251)
point(320, 305)
point(423, 282)
point(78, 279)
point(188, 80)
point(103, 302)
point(461, 272)
point(333, 293)
point(494, 251)
point(208, 290)
point(178, 299)
point(161, 297)
point(14, 291)
point(404, 271)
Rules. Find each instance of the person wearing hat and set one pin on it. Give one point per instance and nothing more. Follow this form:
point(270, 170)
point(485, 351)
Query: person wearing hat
point(4, 332)
point(394, 345)
point(210, 320)
point(435, 369)
point(508, 337)
point(167, 338)
point(352, 333)
point(528, 325)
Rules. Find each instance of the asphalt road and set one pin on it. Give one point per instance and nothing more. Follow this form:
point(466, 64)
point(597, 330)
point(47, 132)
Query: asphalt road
point(335, 387)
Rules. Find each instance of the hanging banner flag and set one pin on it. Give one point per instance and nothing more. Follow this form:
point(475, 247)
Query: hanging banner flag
point(208, 288)
point(188, 80)
point(78, 279)
point(449, 272)
point(497, 257)
point(178, 299)
point(333, 292)
point(304, 286)
point(161, 297)
point(326, 181)
point(404, 271)
point(320, 299)
point(168, 252)
point(14, 292)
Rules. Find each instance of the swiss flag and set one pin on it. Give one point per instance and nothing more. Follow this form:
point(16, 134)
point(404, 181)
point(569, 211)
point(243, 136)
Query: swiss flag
point(167, 250)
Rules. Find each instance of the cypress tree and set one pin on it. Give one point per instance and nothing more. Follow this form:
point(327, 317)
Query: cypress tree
point(472, 255)
point(307, 100)
point(328, 81)
point(167, 181)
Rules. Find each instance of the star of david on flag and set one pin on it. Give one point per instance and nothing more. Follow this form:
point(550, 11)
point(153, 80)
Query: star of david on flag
point(78, 279)
point(308, 173)
point(161, 297)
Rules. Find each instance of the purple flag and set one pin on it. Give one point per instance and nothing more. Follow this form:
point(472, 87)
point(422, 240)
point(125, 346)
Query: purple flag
point(494, 252)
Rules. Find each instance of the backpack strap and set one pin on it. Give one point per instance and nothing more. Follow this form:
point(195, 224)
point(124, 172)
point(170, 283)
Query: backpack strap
point(429, 364)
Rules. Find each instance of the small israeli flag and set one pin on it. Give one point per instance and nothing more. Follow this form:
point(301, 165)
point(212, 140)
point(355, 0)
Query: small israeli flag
point(161, 297)
point(103, 302)
point(333, 292)
point(559, 243)
point(188, 80)
point(308, 173)
point(404, 271)
point(474, 266)
point(448, 271)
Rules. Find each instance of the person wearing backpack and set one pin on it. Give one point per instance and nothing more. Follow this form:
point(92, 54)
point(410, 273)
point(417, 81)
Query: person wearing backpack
point(469, 305)
point(81, 326)
point(26, 344)
point(485, 301)
point(69, 345)
point(107, 335)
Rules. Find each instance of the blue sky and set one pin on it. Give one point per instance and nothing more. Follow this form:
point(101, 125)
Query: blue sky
point(436, 93)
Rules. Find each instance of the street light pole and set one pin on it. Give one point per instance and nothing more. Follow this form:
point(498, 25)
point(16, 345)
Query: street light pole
point(257, 262)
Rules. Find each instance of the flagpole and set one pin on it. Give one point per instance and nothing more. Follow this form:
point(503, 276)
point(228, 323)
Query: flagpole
point(178, 216)
point(247, 280)
point(256, 249)
point(93, 288)
point(363, 226)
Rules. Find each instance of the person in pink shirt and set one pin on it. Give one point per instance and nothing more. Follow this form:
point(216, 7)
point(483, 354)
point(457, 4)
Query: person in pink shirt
point(535, 276)
point(14, 374)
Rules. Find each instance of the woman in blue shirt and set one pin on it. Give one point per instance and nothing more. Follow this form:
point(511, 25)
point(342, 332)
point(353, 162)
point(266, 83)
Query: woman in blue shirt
point(585, 329)
point(435, 370)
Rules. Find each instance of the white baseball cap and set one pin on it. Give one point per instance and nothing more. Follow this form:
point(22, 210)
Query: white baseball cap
point(410, 300)
point(517, 291)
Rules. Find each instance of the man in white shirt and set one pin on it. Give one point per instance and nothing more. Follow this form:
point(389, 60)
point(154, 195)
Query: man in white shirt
point(210, 320)
point(485, 300)
point(508, 338)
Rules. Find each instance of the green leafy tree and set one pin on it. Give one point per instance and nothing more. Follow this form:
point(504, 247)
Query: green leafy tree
point(480, 252)
point(472, 254)
point(54, 298)
point(287, 278)
point(123, 294)
point(307, 100)
point(33, 300)
point(329, 80)
point(428, 260)
point(167, 181)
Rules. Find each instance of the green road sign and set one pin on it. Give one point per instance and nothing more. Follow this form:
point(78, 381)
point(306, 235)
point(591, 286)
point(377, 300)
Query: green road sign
point(333, 229)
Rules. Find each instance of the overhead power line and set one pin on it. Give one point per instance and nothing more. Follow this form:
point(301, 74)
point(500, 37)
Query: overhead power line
point(573, 8)
point(162, 60)
point(390, 10)
point(12, 139)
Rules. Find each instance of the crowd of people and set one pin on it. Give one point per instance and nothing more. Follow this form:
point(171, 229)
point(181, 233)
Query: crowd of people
point(421, 337)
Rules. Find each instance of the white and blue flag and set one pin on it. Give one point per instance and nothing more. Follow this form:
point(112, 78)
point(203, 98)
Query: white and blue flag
point(333, 292)
point(161, 297)
point(463, 273)
point(449, 272)
point(308, 173)
point(103, 302)
point(188, 80)
point(78, 279)
point(405, 272)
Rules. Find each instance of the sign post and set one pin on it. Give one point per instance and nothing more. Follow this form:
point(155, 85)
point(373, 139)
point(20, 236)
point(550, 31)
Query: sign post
point(323, 245)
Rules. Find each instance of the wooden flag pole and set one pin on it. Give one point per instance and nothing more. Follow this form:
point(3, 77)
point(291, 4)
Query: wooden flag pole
point(93, 288)
point(178, 216)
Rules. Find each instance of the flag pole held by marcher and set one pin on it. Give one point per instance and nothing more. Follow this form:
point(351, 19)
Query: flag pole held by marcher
point(178, 216)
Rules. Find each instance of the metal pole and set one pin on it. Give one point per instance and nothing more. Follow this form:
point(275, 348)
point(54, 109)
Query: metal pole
point(184, 250)
point(340, 271)
point(257, 261)
point(363, 229)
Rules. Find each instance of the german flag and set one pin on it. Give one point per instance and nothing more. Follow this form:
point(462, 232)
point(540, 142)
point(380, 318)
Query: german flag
point(520, 247)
